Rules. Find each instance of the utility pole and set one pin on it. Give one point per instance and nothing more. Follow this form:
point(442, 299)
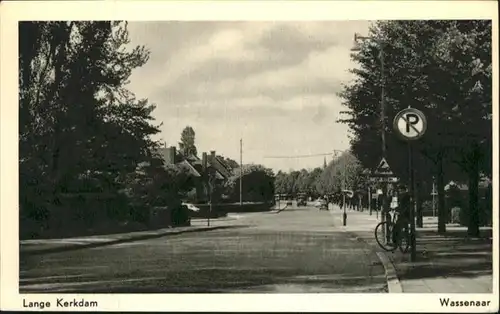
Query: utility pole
point(241, 172)
point(385, 205)
point(344, 187)
point(344, 220)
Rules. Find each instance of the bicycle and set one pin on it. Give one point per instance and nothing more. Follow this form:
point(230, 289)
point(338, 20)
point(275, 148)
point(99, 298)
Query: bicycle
point(397, 233)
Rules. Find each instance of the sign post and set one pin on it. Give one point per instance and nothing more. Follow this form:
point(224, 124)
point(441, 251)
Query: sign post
point(383, 174)
point(434, 194)
point(369, 200)
point(410, 124)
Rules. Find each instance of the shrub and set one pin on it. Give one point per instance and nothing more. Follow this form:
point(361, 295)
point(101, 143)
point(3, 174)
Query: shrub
point(461, 215)
point(485, 213)
point(180, 216)
point(464, 216)
point(427, 208)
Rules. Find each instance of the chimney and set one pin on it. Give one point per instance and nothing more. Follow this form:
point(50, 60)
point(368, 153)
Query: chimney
point(204, 161)
point(170, 156)
point(212, 154)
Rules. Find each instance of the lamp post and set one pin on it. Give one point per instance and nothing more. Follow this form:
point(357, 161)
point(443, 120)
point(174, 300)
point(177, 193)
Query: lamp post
point(357, 38)
point(344, 216)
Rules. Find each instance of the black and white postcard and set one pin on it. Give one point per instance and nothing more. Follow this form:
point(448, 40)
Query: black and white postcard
point(249, 156)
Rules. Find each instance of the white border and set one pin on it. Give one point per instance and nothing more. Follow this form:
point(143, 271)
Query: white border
point(13, 11)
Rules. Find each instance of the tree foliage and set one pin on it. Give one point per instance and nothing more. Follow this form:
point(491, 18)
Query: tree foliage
point(258, 183)
point(76, 118)
point(151, 185)
point(442, 68)
point(187, 144)
point(344, 172)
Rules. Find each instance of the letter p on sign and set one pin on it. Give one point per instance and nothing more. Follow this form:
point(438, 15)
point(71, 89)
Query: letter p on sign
point(410, 124)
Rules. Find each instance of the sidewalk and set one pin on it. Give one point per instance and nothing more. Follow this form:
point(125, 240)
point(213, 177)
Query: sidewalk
point(449, 263)
point(356, 221)
point(43, 246)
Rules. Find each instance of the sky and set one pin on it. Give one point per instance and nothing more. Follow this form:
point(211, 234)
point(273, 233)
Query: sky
point(271, 84)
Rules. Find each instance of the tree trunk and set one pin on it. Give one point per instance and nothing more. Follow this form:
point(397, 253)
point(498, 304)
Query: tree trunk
point(473, 171)
point(489, 205)
point(418, 204)
point(442, 216)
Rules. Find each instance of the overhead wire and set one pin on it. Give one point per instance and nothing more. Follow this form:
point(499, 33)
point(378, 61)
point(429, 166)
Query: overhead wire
point(301, 156)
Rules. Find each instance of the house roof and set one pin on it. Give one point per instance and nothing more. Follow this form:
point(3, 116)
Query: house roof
point(192, 170)
point(191, 162)
point(192, 158)
point(221, 167)
point(219, 176)
point(225, 165)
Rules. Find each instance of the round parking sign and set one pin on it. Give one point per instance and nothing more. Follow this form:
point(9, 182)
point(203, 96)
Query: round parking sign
point(410, 124)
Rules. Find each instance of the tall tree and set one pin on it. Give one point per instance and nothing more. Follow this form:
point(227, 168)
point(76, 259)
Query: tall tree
point(258, 183)
point(187, 144)
point(302, 181)
point(77, 119)
point(345, 172)
point(313, 178)
point(438, 67)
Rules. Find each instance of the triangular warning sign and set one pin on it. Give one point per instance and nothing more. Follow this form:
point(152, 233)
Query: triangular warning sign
point(383, 165)
point(383, 168)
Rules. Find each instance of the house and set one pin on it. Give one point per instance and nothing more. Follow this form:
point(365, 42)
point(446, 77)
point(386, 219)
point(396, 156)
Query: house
point(459, 192)
point(198, 168)
point(484, 184)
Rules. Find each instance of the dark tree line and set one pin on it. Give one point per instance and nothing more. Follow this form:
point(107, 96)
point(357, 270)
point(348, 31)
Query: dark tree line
point(342, 173)
point(257, 184)
point(80, 129)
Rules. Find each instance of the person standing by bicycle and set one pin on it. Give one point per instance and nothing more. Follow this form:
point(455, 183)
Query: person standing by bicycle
point(403, 210)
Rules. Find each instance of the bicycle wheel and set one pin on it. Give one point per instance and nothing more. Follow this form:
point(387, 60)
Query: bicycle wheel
point(383, 241)
point(404, 239)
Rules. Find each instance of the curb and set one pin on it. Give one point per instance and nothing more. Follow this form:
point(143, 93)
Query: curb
point(391, 276)
point(393, 284)
point(278, 210)
point(117, 241)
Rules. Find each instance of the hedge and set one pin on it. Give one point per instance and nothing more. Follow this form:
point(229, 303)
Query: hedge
point(94, 213)
point(221, 210)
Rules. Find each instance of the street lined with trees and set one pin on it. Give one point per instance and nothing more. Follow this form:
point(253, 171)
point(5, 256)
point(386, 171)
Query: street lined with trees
point(81, 130)
point(89, 165)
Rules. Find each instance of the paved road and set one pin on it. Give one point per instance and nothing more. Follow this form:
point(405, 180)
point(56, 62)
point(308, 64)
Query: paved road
point(295, 251)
